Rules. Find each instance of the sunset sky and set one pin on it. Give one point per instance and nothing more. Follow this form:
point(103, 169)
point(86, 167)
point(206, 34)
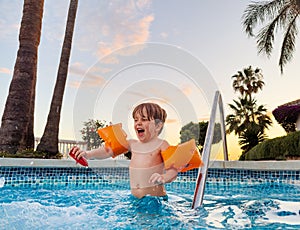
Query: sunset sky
point(173, 52)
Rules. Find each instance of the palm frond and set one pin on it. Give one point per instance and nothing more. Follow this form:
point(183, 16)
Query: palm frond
point(261, 109)
point(258, 12)
point(265, 38)
point(251, 136)
point(288, 44)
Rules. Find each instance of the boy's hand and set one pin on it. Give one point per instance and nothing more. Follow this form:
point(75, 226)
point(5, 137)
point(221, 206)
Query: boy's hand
point(78, 156)
point(78, 152)
point(157, 178)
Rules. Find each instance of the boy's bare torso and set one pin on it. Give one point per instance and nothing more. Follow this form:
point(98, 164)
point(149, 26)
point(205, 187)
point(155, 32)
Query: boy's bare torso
point(146, 159)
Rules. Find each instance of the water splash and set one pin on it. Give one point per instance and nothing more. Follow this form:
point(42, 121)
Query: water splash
point(2, 182)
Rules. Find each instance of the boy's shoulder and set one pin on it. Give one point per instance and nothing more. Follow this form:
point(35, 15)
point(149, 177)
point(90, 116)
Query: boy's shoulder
point(132, 140)
point(164, 144)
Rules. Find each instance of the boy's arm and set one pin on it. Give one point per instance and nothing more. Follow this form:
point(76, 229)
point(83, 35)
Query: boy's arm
point(167, 177)
point(100, 153)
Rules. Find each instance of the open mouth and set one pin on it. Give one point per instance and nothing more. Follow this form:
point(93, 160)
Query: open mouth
point(139, 130)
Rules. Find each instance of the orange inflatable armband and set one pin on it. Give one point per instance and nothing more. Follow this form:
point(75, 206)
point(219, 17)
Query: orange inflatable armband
point(115, 138)
point(183, 157)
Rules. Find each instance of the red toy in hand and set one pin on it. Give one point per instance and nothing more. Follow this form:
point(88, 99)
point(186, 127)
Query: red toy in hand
point(81, 161)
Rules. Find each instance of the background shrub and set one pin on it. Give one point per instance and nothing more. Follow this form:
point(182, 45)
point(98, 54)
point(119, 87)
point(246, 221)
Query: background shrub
point(279, 148)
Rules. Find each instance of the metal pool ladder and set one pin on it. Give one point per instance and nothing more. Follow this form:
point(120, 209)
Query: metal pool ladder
point(202, 173)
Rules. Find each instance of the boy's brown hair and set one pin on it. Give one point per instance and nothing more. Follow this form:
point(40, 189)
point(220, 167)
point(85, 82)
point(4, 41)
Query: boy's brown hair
point(153, 111)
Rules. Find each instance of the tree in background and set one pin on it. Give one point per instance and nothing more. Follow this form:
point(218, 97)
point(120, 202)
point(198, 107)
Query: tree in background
point(278, 15)
point(248, 81)
point(16, 132)
point(90, 135)
point(248, 120)
point(288, 127)
point(190, 131)
point(198, 131)
point(251, 137)
point(49, 140)
point(245, 113)
point(287, 115)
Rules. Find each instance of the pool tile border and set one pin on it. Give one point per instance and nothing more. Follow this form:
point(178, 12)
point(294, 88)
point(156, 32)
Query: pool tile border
point(65, 173)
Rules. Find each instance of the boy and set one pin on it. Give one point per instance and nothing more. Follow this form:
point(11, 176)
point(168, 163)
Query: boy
point(146, 169)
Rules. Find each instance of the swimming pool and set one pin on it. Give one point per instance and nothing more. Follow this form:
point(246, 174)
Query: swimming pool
point(99, 198)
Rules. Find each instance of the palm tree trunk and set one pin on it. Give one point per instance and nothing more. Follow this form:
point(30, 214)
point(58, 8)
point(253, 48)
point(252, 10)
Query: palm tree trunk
point(49, 140)
point(16, 126)
point(28, 138)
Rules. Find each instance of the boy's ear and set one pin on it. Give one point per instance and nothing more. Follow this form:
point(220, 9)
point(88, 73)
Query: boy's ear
point(159, 126)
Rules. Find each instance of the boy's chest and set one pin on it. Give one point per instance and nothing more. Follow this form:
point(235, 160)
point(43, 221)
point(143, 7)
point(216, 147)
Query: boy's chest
point(145, 160)
point(145, 155)
point(149, 149)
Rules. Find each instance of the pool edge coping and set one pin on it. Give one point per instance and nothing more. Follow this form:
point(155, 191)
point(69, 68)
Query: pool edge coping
point(116, 163)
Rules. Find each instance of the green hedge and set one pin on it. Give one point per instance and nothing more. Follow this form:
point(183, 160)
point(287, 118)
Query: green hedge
point(30, 153)
point(279, 148)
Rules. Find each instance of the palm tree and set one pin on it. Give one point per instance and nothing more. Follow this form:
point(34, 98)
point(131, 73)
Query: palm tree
point(237, 122)
point(248, 121)
point(248, 81)
point(251, 137)
point(49, 140)
point(278, 14)
point(246, 112)
point(16, 132)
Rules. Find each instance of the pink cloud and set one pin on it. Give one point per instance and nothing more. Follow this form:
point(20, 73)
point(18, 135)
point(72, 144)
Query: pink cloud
point(171, 121)
point(90, 77)
point(134, 32)
point(121, 24)
point(5, 70)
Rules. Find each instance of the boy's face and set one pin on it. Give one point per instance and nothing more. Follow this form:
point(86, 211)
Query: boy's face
point(145, 129)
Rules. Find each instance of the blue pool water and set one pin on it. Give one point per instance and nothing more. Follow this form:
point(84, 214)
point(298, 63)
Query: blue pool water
point(261, 206)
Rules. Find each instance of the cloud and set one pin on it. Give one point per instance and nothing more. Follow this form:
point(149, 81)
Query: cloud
point(171, 121)
point(142, 4)
point(204, 117)
point(88, 77)
point(102, 70)
point(89, 81)
point(164, 35)
point(5, 70)
point(186, 89)
point(130, 32)
point(74, 84)
point(113, 25)
point(77, 68)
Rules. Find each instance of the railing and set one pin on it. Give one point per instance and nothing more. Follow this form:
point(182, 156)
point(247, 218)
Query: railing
point(64, 146)
point(202, 173)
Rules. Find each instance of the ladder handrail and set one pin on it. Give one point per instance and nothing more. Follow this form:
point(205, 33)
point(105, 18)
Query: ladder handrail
point(202, 173)
point(223, 129)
